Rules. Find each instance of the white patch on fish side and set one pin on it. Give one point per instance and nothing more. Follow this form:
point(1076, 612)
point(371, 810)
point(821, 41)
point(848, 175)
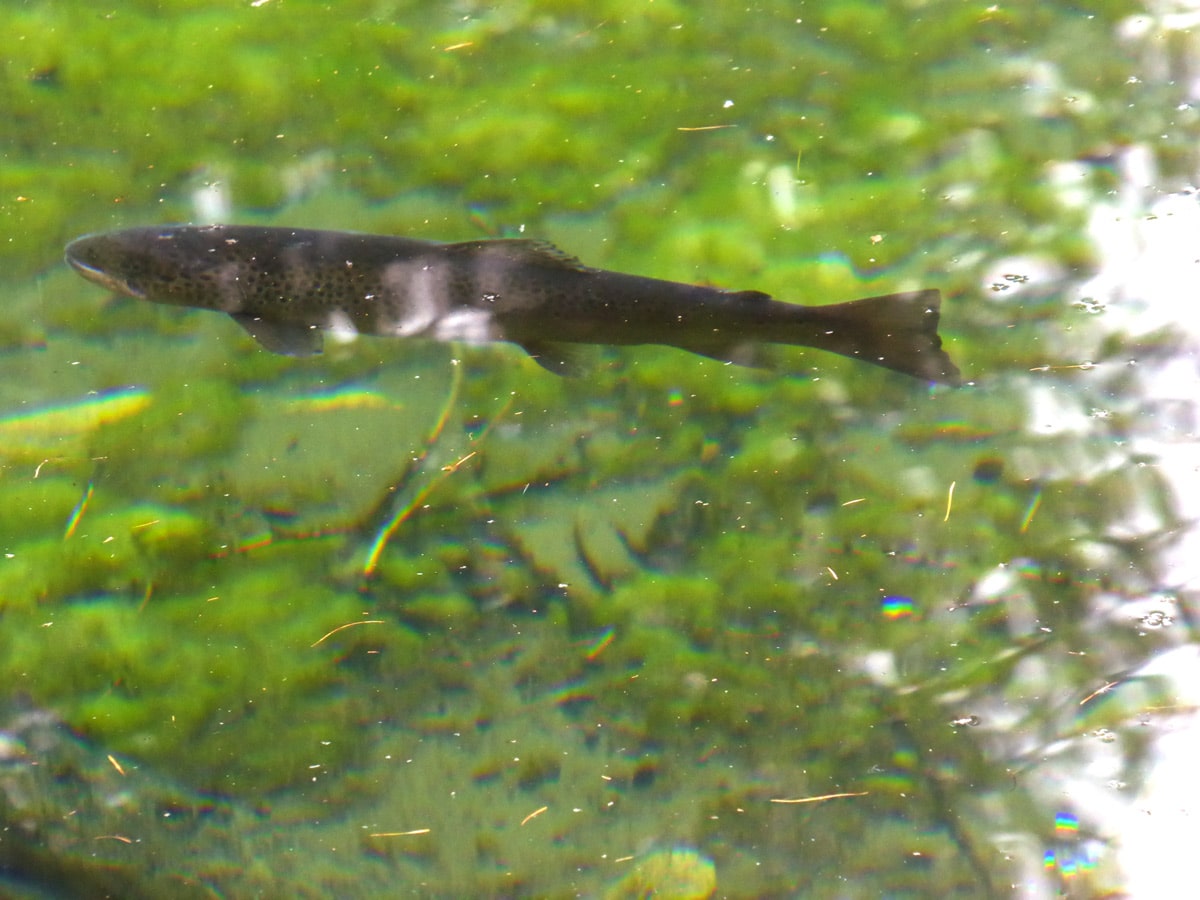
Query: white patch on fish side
point(415, 293)
point(229, 294)
point(341, 330)
point(473, 326)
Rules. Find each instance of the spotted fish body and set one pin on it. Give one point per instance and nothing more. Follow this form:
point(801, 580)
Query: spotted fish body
point(286, 286)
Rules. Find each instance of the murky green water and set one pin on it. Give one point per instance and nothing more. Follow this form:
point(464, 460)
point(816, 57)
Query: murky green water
point(423, 620)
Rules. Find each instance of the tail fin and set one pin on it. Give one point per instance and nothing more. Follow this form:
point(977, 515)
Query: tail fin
point(896, 331)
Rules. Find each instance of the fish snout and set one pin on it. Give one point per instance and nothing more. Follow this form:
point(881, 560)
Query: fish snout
point(84, 255)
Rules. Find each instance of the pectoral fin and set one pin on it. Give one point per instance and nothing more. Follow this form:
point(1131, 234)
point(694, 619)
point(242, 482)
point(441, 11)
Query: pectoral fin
point(286, 338)
point(561, 359)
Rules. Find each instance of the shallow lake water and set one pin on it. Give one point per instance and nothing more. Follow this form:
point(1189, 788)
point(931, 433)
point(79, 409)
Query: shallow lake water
point(422, 619)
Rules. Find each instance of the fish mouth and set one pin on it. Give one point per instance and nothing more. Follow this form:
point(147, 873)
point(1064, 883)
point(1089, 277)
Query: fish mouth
point(102, 278)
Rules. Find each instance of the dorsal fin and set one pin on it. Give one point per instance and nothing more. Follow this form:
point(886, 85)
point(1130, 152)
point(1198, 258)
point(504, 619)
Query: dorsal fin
point(550, 253)
point(752, 296)
point(538, 251)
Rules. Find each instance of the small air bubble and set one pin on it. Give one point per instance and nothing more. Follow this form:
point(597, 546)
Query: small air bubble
point(1089, 305)
point(1157, 619)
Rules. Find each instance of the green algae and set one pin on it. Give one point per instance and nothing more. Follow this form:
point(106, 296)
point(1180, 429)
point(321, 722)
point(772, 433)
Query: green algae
point(122, 666)
point(680, 873)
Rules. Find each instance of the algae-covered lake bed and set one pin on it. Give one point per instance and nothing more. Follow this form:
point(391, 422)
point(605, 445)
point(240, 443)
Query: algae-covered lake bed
point(422, 619)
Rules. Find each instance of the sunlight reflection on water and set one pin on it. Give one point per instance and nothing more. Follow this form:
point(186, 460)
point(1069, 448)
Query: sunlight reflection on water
point(1148, 282)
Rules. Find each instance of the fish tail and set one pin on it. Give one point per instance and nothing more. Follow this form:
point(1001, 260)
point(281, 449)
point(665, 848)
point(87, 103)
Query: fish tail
point(896, 331)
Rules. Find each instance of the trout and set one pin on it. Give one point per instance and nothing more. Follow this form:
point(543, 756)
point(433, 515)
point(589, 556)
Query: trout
point(286, 286)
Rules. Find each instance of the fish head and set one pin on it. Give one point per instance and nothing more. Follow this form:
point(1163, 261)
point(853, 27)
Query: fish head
point(176, 265)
